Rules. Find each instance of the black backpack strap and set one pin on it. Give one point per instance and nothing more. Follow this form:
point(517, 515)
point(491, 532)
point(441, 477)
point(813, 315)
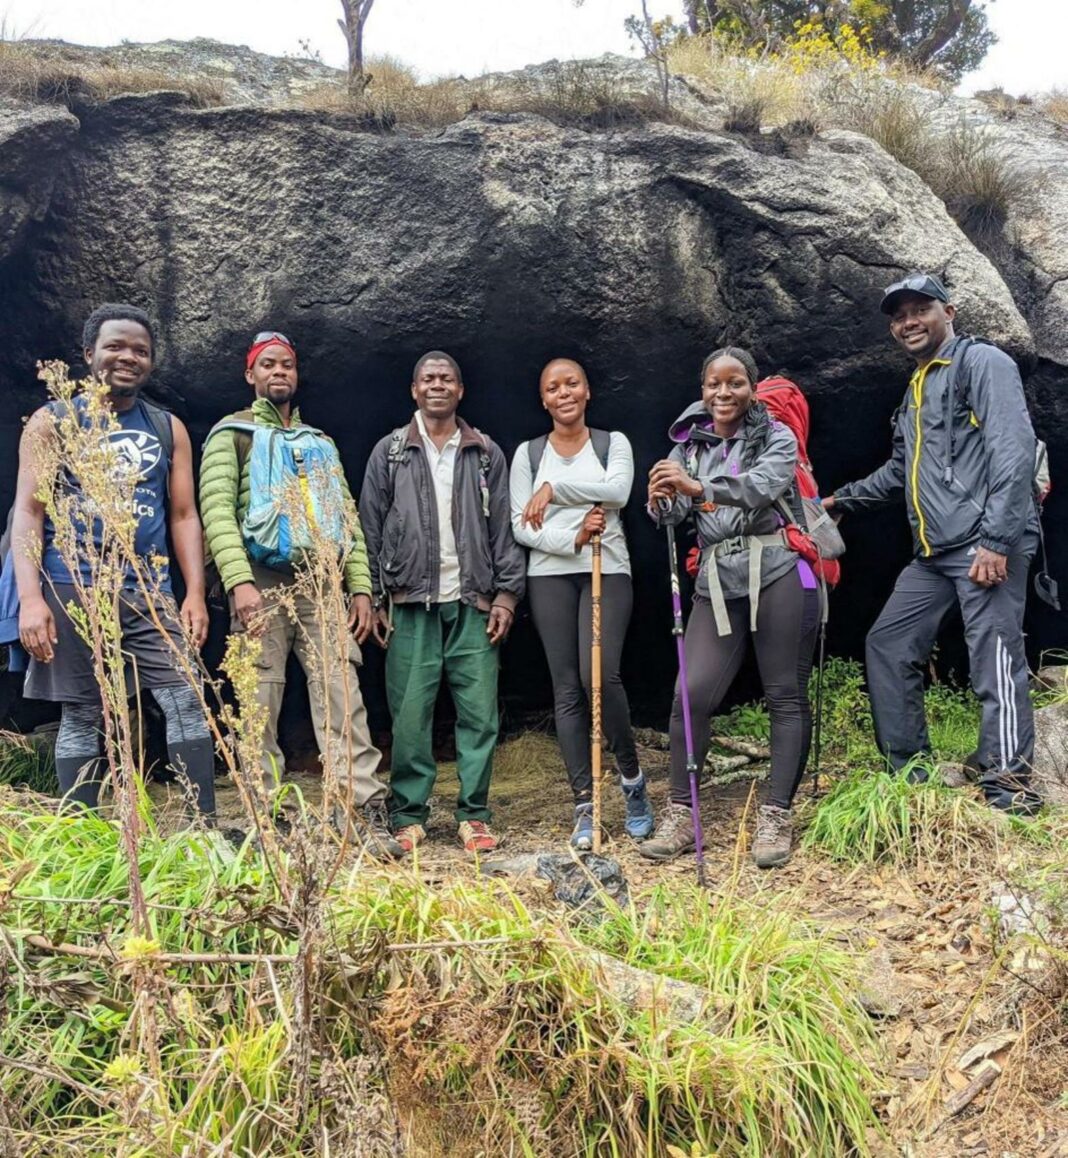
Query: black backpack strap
point(957, 392)
point(602, 444)
point(162, 424)
point(535, 452)
point(483, 471)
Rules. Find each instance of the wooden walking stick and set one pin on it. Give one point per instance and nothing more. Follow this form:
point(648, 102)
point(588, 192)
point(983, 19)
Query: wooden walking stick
point(595, 688)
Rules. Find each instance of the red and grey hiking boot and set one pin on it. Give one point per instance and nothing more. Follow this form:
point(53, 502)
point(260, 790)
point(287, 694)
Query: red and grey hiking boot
point(475, 836)
point(409, 836)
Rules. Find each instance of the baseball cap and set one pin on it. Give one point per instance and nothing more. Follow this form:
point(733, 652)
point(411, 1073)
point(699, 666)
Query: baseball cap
point(917, 283)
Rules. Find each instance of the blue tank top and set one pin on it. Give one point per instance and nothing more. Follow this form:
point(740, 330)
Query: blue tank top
point(139, 450)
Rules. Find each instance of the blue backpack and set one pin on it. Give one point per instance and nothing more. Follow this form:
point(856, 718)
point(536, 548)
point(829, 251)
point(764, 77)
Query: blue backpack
point(294, 465)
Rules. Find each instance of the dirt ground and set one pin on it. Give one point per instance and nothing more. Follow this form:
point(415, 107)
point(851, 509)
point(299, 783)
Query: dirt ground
point(934, 986)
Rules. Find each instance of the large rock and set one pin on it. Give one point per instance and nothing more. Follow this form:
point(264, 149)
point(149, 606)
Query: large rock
point(32, 141)
point(505, 240)
point(1050, 771)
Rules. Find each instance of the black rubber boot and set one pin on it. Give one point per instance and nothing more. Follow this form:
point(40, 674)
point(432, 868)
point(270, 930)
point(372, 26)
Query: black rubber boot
point(79, 779)
point(194, 760)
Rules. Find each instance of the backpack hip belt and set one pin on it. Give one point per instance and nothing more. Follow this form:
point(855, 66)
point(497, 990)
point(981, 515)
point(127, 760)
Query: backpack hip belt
point(755, 545)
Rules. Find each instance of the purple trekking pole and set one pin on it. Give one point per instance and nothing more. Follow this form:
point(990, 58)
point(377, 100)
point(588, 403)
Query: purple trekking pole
point(677, 631)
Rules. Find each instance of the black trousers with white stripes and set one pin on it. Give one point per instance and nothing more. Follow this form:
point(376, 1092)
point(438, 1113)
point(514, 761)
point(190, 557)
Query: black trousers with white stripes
point(899, 646)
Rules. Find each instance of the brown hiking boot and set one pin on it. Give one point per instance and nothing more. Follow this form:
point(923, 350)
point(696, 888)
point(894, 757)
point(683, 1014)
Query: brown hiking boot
point(673, 836)
point(774, 836)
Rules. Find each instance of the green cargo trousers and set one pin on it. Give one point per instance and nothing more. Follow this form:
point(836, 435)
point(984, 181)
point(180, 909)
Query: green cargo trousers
point(447, 638)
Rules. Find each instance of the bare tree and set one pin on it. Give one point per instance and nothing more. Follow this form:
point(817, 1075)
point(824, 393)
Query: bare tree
point(352, 24)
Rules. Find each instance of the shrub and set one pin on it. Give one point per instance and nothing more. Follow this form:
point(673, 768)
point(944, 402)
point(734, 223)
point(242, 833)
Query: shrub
point(1054, 105)
point(979, 182)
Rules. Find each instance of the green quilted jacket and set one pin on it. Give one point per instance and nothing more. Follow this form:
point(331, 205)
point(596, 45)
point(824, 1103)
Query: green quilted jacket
point(224, 499)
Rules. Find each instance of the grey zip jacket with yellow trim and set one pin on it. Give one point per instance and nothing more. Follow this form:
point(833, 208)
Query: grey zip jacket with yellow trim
point(963, 459)
point(737, 502)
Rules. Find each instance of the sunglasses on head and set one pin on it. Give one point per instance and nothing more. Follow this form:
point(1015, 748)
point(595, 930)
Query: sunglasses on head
point(270, 336)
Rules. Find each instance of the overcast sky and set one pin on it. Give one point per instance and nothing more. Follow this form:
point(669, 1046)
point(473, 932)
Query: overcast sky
point(446, 37)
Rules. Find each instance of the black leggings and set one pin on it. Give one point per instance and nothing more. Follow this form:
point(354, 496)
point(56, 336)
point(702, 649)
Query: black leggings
point(787, 622)
point(560, 605)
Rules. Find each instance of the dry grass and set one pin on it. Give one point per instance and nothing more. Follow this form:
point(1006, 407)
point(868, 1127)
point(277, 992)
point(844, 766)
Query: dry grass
point(1054, 104)
point(571, 94)
point(978, 180)
point(31, 75)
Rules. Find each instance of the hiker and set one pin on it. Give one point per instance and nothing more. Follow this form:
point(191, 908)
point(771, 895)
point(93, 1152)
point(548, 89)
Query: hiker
point(119, 347)
point(439, 536)
point(245, 456)
point(975, 530)
point(566, 487)
point(729, 466)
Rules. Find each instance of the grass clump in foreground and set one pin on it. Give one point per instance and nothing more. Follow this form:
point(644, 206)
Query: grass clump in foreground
point(877, 817)
point(28, 762)
point(449, 1013)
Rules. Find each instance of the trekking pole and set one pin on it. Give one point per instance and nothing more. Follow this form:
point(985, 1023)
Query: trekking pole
point(595, 688)
point(684, 695)
point(818, 730)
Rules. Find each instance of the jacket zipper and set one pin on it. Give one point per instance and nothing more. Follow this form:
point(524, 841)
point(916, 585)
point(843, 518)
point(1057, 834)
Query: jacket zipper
point(917, 402)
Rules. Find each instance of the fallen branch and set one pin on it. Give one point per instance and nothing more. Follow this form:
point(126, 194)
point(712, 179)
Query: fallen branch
point(742, 746)
point(65, 949)
point(987, 1074)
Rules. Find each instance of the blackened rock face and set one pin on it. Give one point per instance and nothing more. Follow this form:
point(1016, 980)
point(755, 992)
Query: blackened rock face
point(505, 241)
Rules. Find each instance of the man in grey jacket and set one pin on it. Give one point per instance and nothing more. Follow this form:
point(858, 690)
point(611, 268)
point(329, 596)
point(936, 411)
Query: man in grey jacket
point(436, 516)
point(963, 460)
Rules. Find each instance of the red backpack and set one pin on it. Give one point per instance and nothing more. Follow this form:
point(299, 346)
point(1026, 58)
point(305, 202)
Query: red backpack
point(787, 404)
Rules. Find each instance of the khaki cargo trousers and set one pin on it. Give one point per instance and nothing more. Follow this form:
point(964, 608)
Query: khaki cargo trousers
point(294, 627)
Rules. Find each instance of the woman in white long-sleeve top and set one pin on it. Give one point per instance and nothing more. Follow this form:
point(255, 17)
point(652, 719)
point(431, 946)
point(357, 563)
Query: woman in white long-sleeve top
point(566, 487)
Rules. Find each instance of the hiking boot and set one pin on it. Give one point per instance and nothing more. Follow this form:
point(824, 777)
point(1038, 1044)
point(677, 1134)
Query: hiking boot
point(639, 822)
point(673, 836)
point(376, 835)
point(582, 833)
point(475, 836)
point(774, 836)
point(409, 836)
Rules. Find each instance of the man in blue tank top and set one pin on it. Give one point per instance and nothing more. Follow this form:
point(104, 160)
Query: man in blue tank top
point(119, 344)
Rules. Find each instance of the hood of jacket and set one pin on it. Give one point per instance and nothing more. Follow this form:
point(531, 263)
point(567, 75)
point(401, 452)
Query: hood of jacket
point(695, 419)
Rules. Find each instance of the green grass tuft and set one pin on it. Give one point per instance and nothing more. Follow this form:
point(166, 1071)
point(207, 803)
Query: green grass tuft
point(875, 817)
point(28, 762)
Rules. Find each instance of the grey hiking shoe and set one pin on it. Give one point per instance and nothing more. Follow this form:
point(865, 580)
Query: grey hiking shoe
point(673, 836)
point(377, 836)
point(373, 834)
point(774, 836)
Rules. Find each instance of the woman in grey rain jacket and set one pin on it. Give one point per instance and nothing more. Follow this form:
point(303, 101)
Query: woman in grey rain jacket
point(729, 465)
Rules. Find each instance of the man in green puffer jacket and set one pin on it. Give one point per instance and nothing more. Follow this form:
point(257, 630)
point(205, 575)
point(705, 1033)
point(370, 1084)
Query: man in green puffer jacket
point(290, 624)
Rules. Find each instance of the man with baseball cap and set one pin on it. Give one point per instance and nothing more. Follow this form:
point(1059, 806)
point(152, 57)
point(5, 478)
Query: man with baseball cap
point(963, 460)
point(290, 623)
